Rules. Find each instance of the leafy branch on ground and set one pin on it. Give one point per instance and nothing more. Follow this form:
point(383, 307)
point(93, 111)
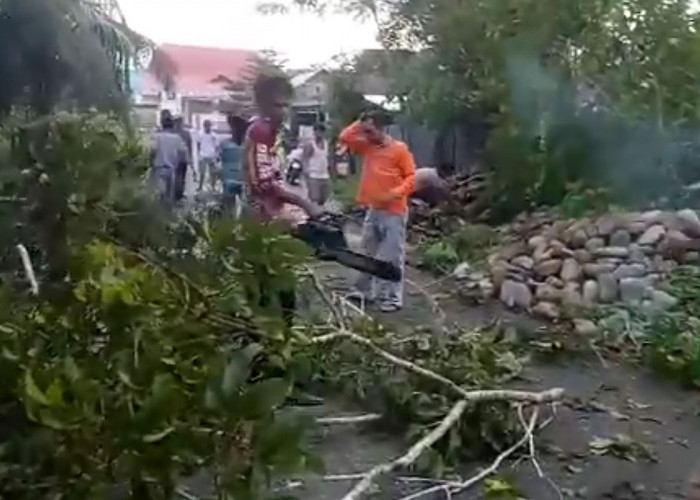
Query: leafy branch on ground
point(424, 391)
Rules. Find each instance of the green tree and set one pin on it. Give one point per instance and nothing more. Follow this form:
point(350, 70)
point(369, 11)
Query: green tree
point(63, 52)
point(527, 66)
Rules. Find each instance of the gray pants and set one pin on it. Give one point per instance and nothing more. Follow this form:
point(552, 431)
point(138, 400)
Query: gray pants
point(384, 238)
point(319, 190)
point(163, 179)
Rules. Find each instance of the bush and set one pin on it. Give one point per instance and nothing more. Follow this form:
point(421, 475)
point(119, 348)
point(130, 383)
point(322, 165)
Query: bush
point(147, 356)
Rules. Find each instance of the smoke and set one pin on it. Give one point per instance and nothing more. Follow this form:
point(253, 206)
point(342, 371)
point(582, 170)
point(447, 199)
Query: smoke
point(586, 136)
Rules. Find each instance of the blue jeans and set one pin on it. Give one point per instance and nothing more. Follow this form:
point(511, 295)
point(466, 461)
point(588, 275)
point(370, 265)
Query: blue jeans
point(384, 238)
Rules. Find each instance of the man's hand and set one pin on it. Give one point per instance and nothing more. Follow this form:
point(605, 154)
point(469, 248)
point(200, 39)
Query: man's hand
point(385, 197)
point(313, 210)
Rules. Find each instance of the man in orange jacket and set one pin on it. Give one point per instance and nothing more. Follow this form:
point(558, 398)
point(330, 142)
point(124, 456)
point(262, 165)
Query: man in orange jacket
point(388, 179)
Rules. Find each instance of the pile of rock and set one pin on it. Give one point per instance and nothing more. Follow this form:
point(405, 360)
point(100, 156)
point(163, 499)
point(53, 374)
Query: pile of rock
point(580, 263)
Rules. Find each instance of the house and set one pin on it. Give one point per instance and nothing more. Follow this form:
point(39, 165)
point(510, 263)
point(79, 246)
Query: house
point(196, 83)
point(311, 97)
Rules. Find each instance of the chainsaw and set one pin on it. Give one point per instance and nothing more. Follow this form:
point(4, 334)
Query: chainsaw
point(326, 236)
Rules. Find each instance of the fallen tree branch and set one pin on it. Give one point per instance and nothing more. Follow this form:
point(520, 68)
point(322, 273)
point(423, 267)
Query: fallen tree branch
point(356, 419)
point(28, 269)
point(457, 487)
point(339, 318)
point(434, 304)
point(411, 455)
point(533, 456)
point(471, 396)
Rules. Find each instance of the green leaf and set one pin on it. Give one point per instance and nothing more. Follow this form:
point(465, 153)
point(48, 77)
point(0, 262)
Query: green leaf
point(501, 489)
point(70, 369)
point(55, 392)
point(263, 397)
point(32, 391)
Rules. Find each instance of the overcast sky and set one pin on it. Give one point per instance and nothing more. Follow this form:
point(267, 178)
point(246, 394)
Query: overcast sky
point(304, 39)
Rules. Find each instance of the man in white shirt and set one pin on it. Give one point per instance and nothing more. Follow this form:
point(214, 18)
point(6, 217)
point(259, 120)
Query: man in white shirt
point(316, 164)
point(208, 153)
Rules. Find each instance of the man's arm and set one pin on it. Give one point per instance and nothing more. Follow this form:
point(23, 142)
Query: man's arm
point(308, 151)
point(249, 165)
point(407, 167)
point(272, 187)
point(354, 139)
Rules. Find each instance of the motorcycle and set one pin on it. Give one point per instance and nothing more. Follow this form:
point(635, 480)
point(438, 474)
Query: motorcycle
point(294, 171)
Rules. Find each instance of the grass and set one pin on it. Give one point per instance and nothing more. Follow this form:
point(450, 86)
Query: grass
point(673, 339)
point(345, 189)
point(470, 244)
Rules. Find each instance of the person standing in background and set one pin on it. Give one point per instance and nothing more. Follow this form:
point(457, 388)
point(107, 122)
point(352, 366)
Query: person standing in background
point(388, 178)
point(230, 153)
point(318, 177)
point(208, 148)
point(181, 172)
point(168, 152)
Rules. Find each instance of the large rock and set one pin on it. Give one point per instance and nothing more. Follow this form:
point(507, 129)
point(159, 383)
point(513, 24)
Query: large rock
point(629, 271)
point(620, 238)
point(594, 244)
point(590, 292)
point(651, 217)
point(499, 272)
point(515, 294)
point(571, 270)
point(523, 261)
point(632, 290)
point(662, 301)
point(607, 288)
point(537, 241)
point(548, 267)
point(607, 224)
point(571, 295)
point(675, 243)
point(612, 252)
point(554, 281)
point(578, 239)
point(636, 228)
point(689, 222)
point(546, 310)
point(653, 235)
point(513, 250)
point(637, 254)
point(542, 253)
point(559, 249)
point(585, 327)
point(583, 256)
point(548, 293)
point(595, 269)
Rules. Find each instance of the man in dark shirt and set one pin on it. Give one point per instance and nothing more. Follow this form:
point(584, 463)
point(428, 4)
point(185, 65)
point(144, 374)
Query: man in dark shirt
point(261, 166)
point(261, 158)
point(181, 173)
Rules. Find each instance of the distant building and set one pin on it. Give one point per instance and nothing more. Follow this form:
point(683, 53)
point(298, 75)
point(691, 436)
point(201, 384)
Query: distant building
point(197, 83)
point(311, 97)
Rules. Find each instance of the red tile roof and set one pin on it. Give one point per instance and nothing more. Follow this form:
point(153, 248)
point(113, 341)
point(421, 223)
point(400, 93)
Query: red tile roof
point(196, 68)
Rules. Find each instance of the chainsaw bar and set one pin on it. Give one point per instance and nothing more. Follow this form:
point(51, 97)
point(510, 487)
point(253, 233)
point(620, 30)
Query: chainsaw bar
point(379, 268)
point(326, 237)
